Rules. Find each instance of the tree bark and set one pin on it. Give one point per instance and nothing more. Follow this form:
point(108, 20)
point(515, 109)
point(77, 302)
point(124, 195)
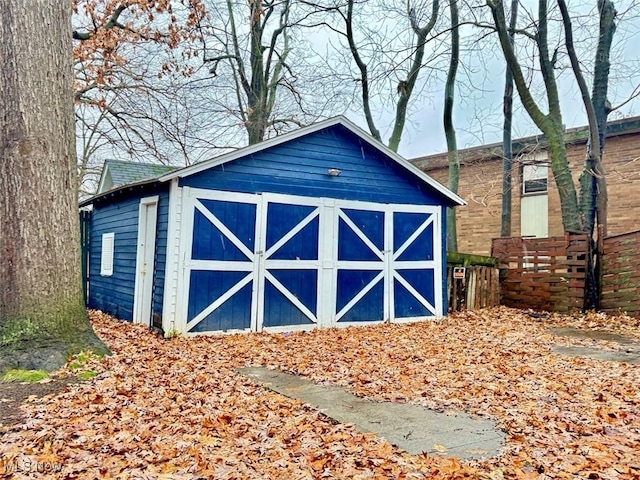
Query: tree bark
point(550, 124)
point(449, 130)
point(507, 151)
point(600, 104)
point(364, 74)
point(405, 87)
point(42, 316)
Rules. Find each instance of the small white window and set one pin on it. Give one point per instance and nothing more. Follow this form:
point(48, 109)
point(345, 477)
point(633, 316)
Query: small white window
point(106, 257)
point(534, 179)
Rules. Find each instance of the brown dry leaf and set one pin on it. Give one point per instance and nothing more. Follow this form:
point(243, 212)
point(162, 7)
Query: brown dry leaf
point(176, 408)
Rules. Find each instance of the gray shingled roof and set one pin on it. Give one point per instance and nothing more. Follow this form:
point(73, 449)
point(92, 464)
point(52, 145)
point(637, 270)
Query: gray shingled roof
point(123, 172)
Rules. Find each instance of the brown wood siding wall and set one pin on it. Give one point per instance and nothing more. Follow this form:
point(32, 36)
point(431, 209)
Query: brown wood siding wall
point(621, 274)
point(542, 273)
point(480, 186)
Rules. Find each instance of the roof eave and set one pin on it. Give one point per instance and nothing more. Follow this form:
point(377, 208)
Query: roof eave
point(117, 190)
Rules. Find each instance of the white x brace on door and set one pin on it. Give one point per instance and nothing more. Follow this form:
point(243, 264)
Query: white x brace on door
point(282, 262)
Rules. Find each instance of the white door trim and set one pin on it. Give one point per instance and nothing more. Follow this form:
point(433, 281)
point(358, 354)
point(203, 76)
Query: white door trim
point(329, 213)
point(145, 260)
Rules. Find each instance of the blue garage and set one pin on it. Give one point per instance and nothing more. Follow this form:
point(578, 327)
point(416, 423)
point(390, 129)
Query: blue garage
point(323, 226)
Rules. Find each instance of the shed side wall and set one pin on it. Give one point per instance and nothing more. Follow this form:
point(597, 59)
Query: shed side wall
point(114, 294)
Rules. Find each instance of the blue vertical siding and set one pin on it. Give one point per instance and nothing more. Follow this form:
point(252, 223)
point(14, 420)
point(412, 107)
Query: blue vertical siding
point(114, 294)
point(299, 167)
point(162, 230)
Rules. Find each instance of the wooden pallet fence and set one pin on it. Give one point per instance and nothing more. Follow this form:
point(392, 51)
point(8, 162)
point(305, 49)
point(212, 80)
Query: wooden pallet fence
point(543, 273)
point(479, 288)
point(620, 281)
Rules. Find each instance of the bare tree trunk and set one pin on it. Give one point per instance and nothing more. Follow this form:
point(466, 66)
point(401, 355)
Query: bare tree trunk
point(551, 123)
point(593, 188)
point(507, 152)
point(449, 130)
point(601, 106)
point(405, 87)
point(364, 74)
point(256, 101)
point(42, 316)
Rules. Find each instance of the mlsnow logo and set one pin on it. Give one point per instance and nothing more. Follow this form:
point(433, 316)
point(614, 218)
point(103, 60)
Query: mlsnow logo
point(10, 466)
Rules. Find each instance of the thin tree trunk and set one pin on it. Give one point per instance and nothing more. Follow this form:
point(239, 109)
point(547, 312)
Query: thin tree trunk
point(550, 124)
point(449, 130)
point(42, 316)
point(364, 75)
point(507, 152)
point(405, 87)
point(256, 101)
point(601, 106)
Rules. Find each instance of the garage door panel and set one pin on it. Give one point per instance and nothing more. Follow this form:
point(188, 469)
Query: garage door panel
point(234, 314)
point(303, 284)
point(350, 283)
point(369, 308)
point(414, 292)
point(239, 218)
point(407, 305)
point(421, 248)
point(405, 224)
point(209, 243)
point(289, 266)
point(282, 218)
point(302, 246)
point(354, 243)
point(371, 223)
point(213, 291)
point(280, 310)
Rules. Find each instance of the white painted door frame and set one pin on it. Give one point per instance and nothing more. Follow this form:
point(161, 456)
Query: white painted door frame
point(145, 260)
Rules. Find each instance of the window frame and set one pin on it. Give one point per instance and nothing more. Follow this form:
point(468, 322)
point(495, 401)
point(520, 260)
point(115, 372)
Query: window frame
point(107, 250)
point(542, 190)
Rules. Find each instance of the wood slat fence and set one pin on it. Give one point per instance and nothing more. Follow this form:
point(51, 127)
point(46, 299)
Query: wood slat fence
point(480, 286)
point(620, 284)
point(543, 273)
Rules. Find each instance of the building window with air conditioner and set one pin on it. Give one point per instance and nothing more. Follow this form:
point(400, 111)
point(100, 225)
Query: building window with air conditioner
point(534, 204)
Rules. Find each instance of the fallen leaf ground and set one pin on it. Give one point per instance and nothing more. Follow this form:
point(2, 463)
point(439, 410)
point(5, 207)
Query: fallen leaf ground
point(177, 409)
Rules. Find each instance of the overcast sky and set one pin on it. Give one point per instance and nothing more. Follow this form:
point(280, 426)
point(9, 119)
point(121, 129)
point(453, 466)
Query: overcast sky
point(478, 108)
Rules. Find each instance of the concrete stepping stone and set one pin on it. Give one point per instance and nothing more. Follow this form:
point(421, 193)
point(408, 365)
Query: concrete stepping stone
point(630, 353)
point(413, 428)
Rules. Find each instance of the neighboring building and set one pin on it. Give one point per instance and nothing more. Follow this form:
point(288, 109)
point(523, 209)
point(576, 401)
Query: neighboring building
point(319, 227)
point(116, 173)
point(535, 199)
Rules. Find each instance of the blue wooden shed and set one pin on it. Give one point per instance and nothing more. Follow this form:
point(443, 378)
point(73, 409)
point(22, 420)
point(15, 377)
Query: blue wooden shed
point(323, 226)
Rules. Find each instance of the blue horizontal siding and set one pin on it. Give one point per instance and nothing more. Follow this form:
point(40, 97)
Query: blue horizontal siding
point(299, 167)
point(114, 294)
